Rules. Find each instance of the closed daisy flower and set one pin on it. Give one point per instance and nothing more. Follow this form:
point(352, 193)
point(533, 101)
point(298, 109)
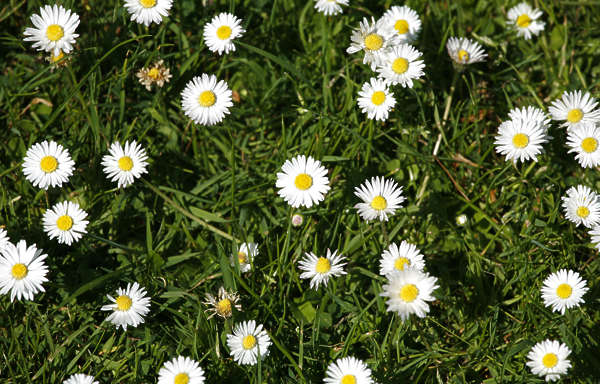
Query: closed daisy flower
point(524, 19)
point(575, 109)
point(3, 238)
point(399, 258)
point(302, 182)
point(405, 22)
point(408, 292)
point(221, 31)
point(582, 206)
point(223, 304)
point(245, 255)
point(148, 11)
point(156, 74)
point(181, 370)
point(247, 342)
point(129, 308)
point(465, 51)
point(47, 164)
point(549, 359)
point(330, 7)
point(375, 99)
point(80, 378)
point(530, 113)
point(584, 140)
point(66, 222)
point(22, 270)
point(54, 30)
point(374, 38)
point(401, 65)
point(563, 290)
point(320, 269)
point(521, 140)
point(348, 370)
point(206, 101)
point(124, 164)
point(380, 198)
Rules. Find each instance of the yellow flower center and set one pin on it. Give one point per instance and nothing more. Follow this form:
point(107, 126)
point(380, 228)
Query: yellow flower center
point(378, 97)
point(564, 291)
point(463, 56)
point(348, 379)
point(379, 203)
point(64, 223)
point(125, 163)
point(56, 58)
point(323, 265)
point(242, 258)
point(224, 307)
point(148, 3)
point(153, 73)
point(373, 42)
point(400, 65)
point(123, 303)
point(409, 293)
point(223, 32)
point(248, 342)
point(54, 32)
point(523, 21)
point(589, 144)
point(19, 271)
point(401, 26)
point(181, 378)
point(48, 164)
point(575, 115)
point(583, 212)
point(550, 360)
point(207, 99)
point(520, 140)
point(303, 181)
point(401, 263)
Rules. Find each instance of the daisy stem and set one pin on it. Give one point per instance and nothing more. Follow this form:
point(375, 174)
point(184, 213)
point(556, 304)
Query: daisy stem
point(385, 234)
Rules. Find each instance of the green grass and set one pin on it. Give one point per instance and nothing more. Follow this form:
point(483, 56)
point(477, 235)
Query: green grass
point(298, 91)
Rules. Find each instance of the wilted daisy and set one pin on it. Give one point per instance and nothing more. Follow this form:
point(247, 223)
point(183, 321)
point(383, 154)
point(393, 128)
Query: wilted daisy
point(320, 269)
point(405, 22)
point(302, 182)
point(330, 7)
point(521, 140)
point(348, 370)
point(582, 206)
point(245, 255)
point(575, 109)
point(401, 65)
point(465, 51)
point(530, 113)
point(181, 370)
point(247, 342)
point(65, 221)
point(80, 378)
point(130, 306)
point(395, 258)
point(47, 164)
point(380, 198)
point(124, 164)
point(223, 304)
point(408, 292)
point(584, 140)
point(60, 60)
point(549, 359)
point(22, 270)
point(3, 238)
point(563, 290)
point(157, 73)
point(148, 11)
point(54, 29)
point(525, 20)
point(206, 101)
point(375, 99)
point(374, 38)
point(221, 31)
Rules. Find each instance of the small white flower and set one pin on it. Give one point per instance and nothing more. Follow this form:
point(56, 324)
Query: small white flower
point(530, 113)
point(348, 370)
point(205, 100)
point(297, 220)
point(181, 370)
point(406, 256)
point(302, 182)
point(3, 238)
point(401, 65)
point(524, 19)
point(563, 290)
point(465, 51)
point(550, 359)
point(80, 378)
point(380, 198)
point(374, 38)
point(247, 342)
point(223, 304)
point(408, 292)
point(595, 234)
point(575, 109)
point(148, 11)
point(461, 219)
point(405, 21)
point(130, 306)
point(54, 30)
point(47, 164)
point(582, 206)
point(221, 31)
point(330, 7)
point(125, 164)
point(320, 269)
point(22, 270)
point(65, 221)
point(375, 99)
point(245, 256)
point(521, 140)
point(584, 141)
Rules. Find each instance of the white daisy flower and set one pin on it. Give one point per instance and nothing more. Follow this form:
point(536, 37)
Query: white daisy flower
point(375, 99)
point(405, 21)
point(401, 65)
point(521, 140)
point(130, 306)
point(3, 238)
point(223, 304)
point(575, 109)
point(465, 51)
point(374, 38)
point(408, 292)
point(221, 31)
point(54, 30)
point(406, 256)
point(525, 20)
point(47, 164)
point(530, 113)
point(80, 378)
point(348, 370)
point(550, 359)
point(22, 270)
point(595, 234)
point(582, 206)
point(247, 342)
point(584, 140)
point(148, 11)
point(563, 290)
point(65, 221)
point(320, 269)
point(380, 198)
point(302, 182)
point(206, 101)
point(330, 7)
point(181, 370)
point(245, 256)
point(124, 164)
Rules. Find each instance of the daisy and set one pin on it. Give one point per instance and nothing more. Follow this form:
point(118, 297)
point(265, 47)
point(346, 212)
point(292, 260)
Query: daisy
point(22, 270)
point(221, 31)
point(130, 306)
point(374, 38)
point(380, 198)
point(245, 255)
point(582, 206)
point(65, 221)
point(408, 291)
point(575, 109)
point(247, 342)
point(181, 370)
point(206, 101)
point(148, 11)
point(223, 304)
point(530, 113)
point(550, 359)
point(302, 182)
point(584, 140)
point(124, 164)
point(395, 258)
point(375, 99)
point(54, 29)
point(401, 65)
point(348, 370)
point(56, 61)
point(3, 238)
point(525, 20)
point(320, 269)
point(157, 73)
point(47, 164)
point(297, 220)
point(405, 21)
point(330, 7)
point(521, 140)
point(563, 290)
point(595, 234)
point(80, 378)
point(465, 51)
